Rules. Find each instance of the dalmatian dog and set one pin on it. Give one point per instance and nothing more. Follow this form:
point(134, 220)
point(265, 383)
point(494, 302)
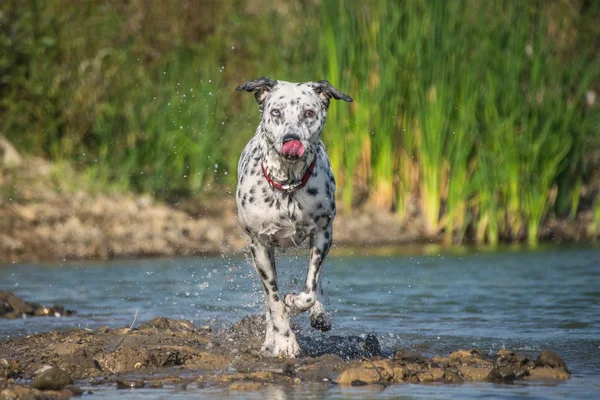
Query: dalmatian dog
point(286, 193)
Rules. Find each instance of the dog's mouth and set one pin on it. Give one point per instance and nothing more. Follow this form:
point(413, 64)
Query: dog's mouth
point(292, 149)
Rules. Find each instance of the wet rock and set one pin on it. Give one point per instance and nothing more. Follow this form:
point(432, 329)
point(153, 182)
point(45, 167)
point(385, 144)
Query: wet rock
point(364, 373)
point(43, 312)
point(76, 390)
point(19, 392)
point(408, 356)
point(16, 303)
point(13, 307)
point(473, 373)
point(12, 315)
point(466, 356)
point(4, 308)
point(246, 386)
point(154, 385)
point(548, 358)
point(52, 379)
point(431, 375)
point(547, 373)
point(129, 384)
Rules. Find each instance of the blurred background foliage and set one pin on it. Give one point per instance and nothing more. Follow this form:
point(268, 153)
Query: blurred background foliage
point(478, 116)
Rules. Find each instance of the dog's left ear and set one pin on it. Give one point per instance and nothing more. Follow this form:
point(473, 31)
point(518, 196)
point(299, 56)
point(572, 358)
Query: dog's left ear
point(326, 91)
point(261, 87)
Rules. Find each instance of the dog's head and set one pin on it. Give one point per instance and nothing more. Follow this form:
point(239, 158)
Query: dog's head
point(293, 114)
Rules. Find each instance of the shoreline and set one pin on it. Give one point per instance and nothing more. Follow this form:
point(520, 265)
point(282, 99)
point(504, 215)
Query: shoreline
point(45, 218)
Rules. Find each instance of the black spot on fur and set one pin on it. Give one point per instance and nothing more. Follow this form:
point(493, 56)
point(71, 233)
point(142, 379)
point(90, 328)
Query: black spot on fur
point(327, 235)
point(251, 200)
point(287, 333)
point(273, 284)
point(313, 191)
point(319, 205)
point(263, 274)
point(275, 297)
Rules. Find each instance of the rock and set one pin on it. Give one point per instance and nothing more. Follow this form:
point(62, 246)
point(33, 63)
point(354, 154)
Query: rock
point(154, 385)
point(16, 303)
point(76, 390)
point(470, 355)
point(127, 384)
point(263, 376)
point(19, 392)
point(363, 373)
point(474, 373)
point(52, 379)
point(4, 308)
point(431, 375)
point(507, 373)
point(246, 386)
point(548, 358)
point(408, 356)
point(547, 373)
point(12, 315)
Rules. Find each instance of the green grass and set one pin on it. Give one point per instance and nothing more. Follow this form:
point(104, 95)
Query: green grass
point(474, 111)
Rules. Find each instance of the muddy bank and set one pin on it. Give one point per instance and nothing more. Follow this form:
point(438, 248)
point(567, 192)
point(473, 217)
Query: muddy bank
point(46, 214)
point(165, 352)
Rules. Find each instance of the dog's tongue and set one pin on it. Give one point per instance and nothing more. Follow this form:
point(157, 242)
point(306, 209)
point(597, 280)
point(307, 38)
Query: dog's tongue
point(293, 148)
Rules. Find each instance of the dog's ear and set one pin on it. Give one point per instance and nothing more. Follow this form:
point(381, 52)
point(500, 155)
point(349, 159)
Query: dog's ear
point(261, 87)
point(326, 91)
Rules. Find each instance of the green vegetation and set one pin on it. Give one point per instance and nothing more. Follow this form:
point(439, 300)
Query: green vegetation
point(479, 112)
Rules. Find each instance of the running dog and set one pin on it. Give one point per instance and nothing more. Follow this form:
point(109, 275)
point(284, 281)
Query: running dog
point(286, 193)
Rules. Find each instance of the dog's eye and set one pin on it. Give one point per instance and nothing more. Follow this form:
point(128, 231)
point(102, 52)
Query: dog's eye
point(275, 112)
point(309, 113)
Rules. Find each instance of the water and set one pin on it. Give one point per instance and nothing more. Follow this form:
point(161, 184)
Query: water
point(523, 301)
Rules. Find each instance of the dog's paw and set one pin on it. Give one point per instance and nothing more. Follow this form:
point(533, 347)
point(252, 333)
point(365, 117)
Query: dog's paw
point(286, 347)
point(321, 322)
point(298, 303)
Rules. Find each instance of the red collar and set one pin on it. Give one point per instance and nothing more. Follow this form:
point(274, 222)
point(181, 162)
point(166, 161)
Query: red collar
point(287, 187)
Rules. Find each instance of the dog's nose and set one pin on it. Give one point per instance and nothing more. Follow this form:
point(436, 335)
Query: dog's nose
point(290, 136)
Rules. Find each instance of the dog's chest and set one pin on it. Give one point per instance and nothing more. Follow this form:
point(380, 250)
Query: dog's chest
point(278, 217)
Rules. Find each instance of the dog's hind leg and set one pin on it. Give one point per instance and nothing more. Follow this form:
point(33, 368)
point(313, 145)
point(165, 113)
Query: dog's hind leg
point(320, 243)
point(280, 339)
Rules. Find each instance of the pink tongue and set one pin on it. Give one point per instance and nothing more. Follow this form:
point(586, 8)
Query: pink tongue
point(293, 148)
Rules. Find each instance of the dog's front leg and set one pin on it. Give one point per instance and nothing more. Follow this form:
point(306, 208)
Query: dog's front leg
point(320, 243)
point(280, 339)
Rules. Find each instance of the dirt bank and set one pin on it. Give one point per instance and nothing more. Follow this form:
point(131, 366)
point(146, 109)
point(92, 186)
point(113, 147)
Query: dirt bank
point(166, 352)
point(47, 214)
